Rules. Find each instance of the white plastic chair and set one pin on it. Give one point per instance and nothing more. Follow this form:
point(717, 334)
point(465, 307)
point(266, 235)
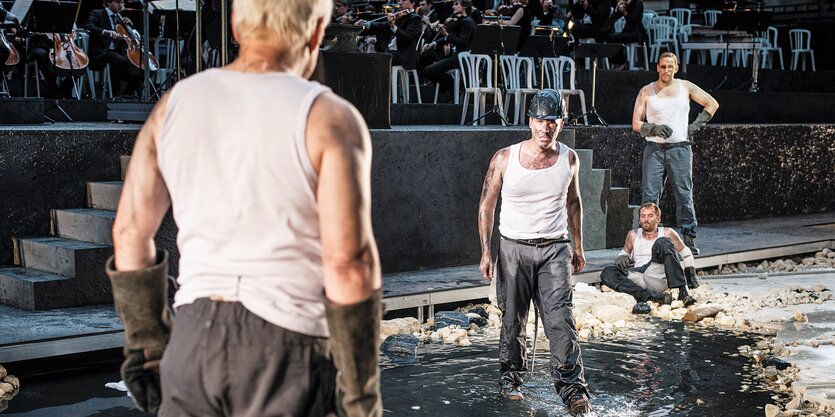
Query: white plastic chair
point(682, 16)
point(471, 66)
point(771, 47)
point(518, 75)
point(647, 17)
point(620, 24)
point(711, 16)
point(661, 35)
point(456, 76)
point(555, 71)
point(801, 40)
point(400, 80)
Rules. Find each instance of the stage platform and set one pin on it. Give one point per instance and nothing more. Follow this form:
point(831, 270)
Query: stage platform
point(31, 335)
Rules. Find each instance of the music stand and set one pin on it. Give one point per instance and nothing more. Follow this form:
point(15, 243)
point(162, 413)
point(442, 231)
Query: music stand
point(596, 51)
point(53, 17)
point(495, 40)
point(754, 22)
point(542, 47)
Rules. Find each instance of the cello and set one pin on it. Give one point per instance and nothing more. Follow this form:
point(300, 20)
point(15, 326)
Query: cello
point(134, 49)
point(14, 57)
point(69, 60)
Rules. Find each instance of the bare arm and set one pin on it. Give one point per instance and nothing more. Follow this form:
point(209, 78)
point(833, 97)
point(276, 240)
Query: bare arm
point(517, 16)
point(702, 97)
point(144, 199)
point(339, 146)
point(639, 112)
point(630, 240)
point(487, 208)
point(575, 213)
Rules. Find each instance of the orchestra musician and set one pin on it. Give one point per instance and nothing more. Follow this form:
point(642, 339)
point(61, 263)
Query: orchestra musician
point(633, 32)
point(428, 15)
point(5, 16)
point(341, 14)
point(108, 47)
point(403, 29)
point(457, 36)
point(590, 19)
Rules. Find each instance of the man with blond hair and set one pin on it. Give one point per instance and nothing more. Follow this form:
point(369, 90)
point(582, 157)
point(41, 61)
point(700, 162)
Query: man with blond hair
point(279, 271)
point(665, 104)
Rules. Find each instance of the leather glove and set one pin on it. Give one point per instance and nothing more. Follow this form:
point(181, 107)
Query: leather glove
point(691, 277)
point(700, 121)
point(141, 300)
point(652, 129)
point(354, 344)
point(623, 262)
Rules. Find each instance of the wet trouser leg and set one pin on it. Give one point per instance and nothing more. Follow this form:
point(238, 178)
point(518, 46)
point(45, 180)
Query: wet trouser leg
point(544, 274)
point(652, 173)
point(616, 279)
point(664, 252)
point(222, 360)
point(679, 164)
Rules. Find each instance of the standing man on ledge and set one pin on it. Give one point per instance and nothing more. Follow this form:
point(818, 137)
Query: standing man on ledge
point(666, 104)
point(279, 273)
point(540, 189)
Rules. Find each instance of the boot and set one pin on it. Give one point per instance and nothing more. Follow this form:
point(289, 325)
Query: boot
point(512, 393)
point(662, 299)
point(354, 344)
point(141, 301)
point(685, 297)
point(691, 277)
point(690, 242)
point(579, 405)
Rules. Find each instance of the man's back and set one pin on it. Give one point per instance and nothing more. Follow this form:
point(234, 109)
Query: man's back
point(242, 188)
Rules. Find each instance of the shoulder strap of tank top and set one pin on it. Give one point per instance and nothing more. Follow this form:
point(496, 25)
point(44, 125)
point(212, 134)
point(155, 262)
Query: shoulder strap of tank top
point(514, 156)
point(652, 88)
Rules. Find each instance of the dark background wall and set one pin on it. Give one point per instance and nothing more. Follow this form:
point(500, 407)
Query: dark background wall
point(740, 172)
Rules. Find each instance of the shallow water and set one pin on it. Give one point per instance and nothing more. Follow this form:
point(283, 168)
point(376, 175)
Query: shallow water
point(657, 369)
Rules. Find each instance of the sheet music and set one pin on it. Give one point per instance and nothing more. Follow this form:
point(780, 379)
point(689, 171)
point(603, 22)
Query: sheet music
point(21, 7)
point(169, 5)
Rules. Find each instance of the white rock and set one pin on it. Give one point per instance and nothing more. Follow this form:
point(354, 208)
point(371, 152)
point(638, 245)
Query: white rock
point(584, 334)
point(725, 321)
point(609, 313)
point(404, 325)
point(620, 324)
point(678, 313)
point(676, 304)
point(771, 410)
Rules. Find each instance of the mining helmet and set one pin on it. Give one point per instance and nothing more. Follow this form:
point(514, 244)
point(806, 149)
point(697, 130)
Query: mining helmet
point(546, 104)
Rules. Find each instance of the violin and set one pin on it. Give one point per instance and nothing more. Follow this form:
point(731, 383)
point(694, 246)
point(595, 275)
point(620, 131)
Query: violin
point(66, 56)
point(14, 57)
point(134, 50)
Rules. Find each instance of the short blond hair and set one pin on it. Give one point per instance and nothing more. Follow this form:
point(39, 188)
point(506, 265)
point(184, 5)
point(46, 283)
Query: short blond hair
point(652, 206)
point(668, 55)
point(285, 22)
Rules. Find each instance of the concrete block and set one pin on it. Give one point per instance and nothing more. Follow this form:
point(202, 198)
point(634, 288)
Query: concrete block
point(618, 217)
point(70, 258)
point(594, 191)
point(124, 160)
point(86, 225)
point(29, 289)
point(104, 195)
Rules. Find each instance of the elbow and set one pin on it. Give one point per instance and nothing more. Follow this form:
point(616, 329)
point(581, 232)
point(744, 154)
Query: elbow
point(636, 125)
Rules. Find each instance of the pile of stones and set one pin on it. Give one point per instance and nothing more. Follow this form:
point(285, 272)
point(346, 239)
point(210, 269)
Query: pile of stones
point(9, 387)
point(821, 260)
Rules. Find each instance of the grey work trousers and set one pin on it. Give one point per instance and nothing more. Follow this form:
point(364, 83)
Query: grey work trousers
point(678, 164)
point(541, 273)
point(223, 360)
point(664, 253)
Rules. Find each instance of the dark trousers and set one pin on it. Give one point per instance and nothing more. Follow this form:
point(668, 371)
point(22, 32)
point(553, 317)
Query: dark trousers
point(544, 275)
point(677, 164)
point(663, 252)
point(121, 70)
point(223, 360)
point(437, 72)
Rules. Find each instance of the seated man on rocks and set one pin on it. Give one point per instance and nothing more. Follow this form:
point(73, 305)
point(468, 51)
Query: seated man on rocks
point(654, 251)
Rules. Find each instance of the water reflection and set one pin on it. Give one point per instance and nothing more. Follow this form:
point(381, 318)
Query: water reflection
point(656, 369)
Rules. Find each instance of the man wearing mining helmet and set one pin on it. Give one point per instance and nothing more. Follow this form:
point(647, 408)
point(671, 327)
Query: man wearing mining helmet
point(540, 188)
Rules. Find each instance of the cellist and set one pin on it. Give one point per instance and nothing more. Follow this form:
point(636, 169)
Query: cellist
point(106, 47)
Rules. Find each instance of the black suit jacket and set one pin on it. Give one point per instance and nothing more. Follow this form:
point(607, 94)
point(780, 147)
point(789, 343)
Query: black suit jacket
point(408, 33)
point(97, 23)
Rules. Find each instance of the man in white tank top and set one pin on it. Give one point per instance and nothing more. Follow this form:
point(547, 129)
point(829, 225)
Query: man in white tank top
point(655, 252)
point(268, 174)
point(540, 190)
point(665, 104)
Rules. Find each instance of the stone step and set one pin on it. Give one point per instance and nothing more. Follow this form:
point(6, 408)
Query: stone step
point(87, 225)
point(70, 258)
point(618, 217)
point(104, 195)
point(30, 289)
point(123, 163)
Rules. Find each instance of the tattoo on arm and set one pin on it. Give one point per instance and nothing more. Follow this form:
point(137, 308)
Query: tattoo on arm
point(489, 195)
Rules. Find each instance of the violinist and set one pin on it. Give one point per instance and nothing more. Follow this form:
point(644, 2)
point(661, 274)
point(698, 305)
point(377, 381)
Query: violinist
point(341, 15)
point(590, 19)
point(403, 29)
point(5, 17)
point(428, 15)
point(457, 35)
point(108, 47)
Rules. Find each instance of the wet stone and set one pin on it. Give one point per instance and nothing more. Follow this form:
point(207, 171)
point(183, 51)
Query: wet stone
point(477, 319)
point(400, 345)
point(481, 311)
point(776, 362)
point(641, 308)
point(451, 318)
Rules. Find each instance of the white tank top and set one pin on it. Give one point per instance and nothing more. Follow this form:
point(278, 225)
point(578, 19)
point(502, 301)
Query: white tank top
point(232, 154)
point(671, 111)
point(533, 200)
point(642, 248)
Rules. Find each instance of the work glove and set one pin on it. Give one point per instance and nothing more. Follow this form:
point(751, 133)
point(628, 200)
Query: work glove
point(652, 129)
point(141, 300)
point(691, 277)
point(354, 344)
point(623, 262)
point(700, 121)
